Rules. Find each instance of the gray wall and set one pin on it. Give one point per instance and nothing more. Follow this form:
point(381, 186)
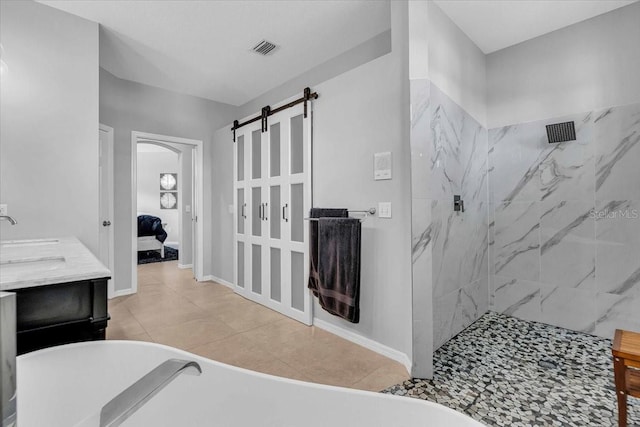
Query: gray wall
point(586, 66)
point(222, 197)
point(49, 123)
point(456, 65)
point(127, 106)
point(359, 112)
point(354, 57)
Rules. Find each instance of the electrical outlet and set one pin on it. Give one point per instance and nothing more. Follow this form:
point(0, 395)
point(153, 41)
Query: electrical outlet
point(3, 209)
point(384, 210)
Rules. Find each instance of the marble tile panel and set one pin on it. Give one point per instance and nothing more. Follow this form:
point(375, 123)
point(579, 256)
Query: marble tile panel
point(422, 229)
point(457, 310)
point(475, 303)
point(617, 312)
point(459, 246)
point(569, 308)
point(567, 168)
point(445, 308)
point(515, 297)
point(420, 135)
point(618, 247)
point(458, 164)
point(516, 240)
point(616, 134)
point(515, 154)
point(567, 235)
point(422, 287)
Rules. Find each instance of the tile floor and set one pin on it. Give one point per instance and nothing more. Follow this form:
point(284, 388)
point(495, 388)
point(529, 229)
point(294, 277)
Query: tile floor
point(210, 320)
point(492, 372)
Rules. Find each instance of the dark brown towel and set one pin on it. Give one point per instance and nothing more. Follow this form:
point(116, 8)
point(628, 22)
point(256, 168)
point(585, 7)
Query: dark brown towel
point(313, 242)
point(339, 267)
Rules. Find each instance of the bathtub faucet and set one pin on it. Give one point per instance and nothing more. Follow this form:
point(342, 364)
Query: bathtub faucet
point(9, 218)
point(8, 392)
point(133, 398)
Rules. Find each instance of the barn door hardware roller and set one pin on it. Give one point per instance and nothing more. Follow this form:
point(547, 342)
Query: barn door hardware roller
point(267, 111)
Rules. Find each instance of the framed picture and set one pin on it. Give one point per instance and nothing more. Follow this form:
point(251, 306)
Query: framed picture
point(168, 181)
point(168, 200)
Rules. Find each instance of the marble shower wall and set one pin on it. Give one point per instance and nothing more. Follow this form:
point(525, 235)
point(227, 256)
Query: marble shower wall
point(564, 234)
point(450, 249)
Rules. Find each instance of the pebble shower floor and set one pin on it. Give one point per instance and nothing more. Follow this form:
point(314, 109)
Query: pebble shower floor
point(491, 371)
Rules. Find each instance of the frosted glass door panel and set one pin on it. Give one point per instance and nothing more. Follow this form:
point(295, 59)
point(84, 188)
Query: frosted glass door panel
point(272, 182)
point(297, 145)
point(274, 154)
point(276, 212)
point(276, 275)
point(240, 256)
point(256, 154)
point(297, 212)
point(240, 210)
point(240, 157)
point(256, 269)
point(256, 211)
point(298, 287)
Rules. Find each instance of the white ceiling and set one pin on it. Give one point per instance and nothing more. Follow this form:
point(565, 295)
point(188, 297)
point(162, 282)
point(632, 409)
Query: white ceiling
point(496, 24)
point(203, 48)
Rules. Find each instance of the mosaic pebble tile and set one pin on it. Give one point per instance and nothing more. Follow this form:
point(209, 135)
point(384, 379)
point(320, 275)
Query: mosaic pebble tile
point(492, 371)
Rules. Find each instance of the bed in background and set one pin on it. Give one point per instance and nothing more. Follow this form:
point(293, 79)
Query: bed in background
point(151, 234)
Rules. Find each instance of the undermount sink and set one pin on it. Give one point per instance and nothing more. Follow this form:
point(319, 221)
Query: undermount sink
point(33, 242)
point(39, 263)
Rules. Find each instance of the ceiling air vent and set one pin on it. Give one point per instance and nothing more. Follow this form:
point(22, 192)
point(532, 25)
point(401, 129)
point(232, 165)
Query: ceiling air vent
point(264, 47)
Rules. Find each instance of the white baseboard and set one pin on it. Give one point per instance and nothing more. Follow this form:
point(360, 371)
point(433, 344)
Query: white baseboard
point(122, 292)
point(219, 280)
point(184, 266)
point(372, 345)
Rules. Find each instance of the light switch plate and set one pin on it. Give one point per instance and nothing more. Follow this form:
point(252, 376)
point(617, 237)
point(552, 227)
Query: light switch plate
point(187, 208)
point(3, 209)
point(384, 210)
point(230, 209)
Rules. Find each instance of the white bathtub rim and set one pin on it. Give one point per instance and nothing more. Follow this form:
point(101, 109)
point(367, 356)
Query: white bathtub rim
point(186, 354)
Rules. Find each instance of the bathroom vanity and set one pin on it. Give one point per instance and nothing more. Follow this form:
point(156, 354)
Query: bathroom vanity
point(61, 291)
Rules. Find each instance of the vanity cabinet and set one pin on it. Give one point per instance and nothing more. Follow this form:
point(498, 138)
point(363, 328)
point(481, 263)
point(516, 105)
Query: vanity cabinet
point(60, 314)
point(61, 291)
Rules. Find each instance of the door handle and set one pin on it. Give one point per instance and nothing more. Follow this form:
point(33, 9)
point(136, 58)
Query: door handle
point(242, 211)
point(260, 210)
point(266, 206)
point(284, 209)
point(106, 223)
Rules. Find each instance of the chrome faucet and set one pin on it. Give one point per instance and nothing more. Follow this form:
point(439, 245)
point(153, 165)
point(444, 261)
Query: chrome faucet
point(8, 218)
point(133, 398)
point(8, 392)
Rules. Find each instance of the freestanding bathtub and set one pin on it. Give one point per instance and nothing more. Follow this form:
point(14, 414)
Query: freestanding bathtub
point(68, 385)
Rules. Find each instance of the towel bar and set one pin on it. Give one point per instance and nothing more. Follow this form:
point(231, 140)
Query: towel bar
point(370, 211)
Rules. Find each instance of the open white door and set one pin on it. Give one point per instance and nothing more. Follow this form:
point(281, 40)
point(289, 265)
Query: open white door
point(272, 192)
point(106, 202)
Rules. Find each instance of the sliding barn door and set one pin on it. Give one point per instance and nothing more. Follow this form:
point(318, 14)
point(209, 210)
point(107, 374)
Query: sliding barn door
point(272, 191)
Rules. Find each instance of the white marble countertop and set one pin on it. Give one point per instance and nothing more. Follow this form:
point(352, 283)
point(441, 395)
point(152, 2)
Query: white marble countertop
point(41, 262)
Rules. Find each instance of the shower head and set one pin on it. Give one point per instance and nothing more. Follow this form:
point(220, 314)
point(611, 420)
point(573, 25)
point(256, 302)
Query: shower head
point(561, 132)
